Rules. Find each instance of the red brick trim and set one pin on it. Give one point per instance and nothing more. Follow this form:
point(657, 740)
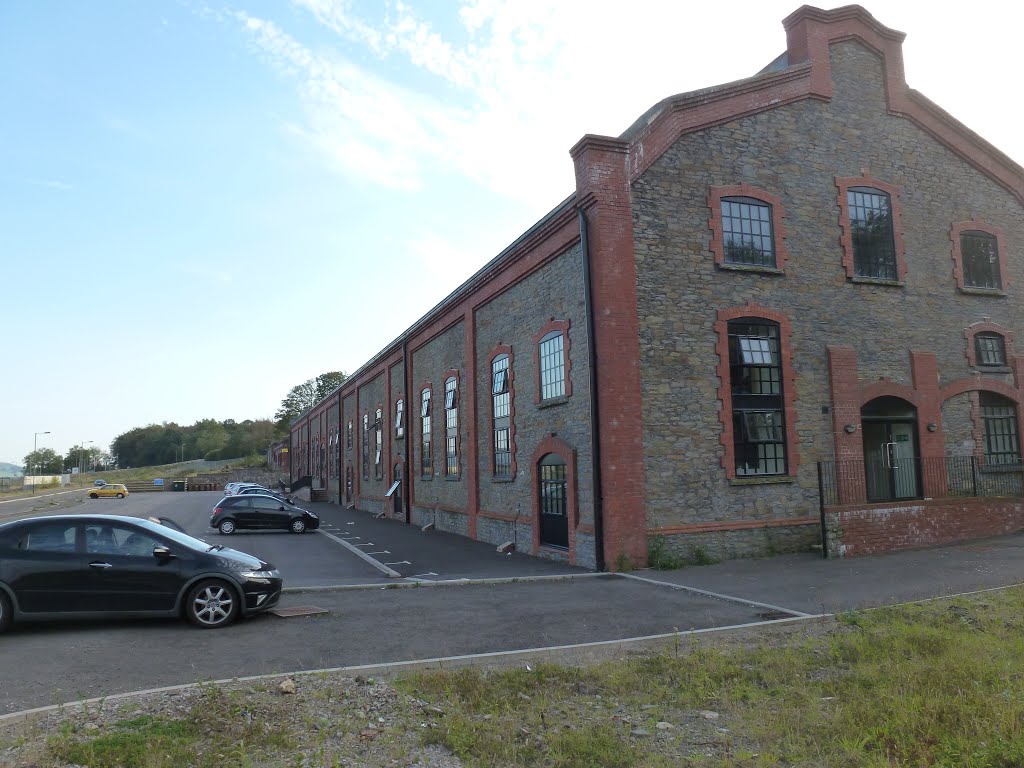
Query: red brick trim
point(846, 240)
point(503, 349)
point(888, 388)
point(452, 373)
point(668, 530)
point(419, 406)
point(974, 329)
point(975, 225)
point(725, 389)
point(553, 325)
point(981, 384)
point(555, 444)
point(715, 195)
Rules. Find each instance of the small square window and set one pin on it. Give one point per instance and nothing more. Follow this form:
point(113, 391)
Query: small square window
point(990, 349)
point(756, 350)
point(500, 384)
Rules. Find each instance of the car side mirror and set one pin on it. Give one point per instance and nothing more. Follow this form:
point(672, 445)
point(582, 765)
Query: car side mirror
point(163, 553)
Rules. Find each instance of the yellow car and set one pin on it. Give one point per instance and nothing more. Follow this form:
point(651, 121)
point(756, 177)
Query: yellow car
point(109, 490)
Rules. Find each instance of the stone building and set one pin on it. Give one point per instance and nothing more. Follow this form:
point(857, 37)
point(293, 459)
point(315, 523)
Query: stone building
point(773, 310)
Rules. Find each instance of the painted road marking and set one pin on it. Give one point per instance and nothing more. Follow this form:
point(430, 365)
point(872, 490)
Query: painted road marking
point(428, 573)
point(359, 553)
point(400, 562)
point(382, 552)
point(42, 496)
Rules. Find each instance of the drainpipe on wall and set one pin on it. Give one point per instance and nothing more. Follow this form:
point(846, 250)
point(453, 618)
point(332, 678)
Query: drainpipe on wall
point(407, 479)
point(595, 431)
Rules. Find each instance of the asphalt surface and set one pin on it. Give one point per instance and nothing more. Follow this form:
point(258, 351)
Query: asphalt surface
point(42, 664)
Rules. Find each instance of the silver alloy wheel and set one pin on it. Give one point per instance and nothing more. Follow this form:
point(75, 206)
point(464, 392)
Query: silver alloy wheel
point(213, 605)
point(227, 527)
point(298, 526)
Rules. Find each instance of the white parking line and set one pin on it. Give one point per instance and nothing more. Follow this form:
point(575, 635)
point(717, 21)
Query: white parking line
point(358, 552)
point(400, 562)
point(382, 552)
point(718, 595)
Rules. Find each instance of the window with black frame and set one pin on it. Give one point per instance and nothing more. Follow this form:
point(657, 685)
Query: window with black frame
point(874, 246)
point(979, 252)
point(552, 366)
point(755, 374)
point(378, 461)
point(451, 425)
point(989, 349)
point(348, 438)
point(747, 232)
point(366, 446)
point(400, 419)
point(999, 417)
point(426, 456)
point(501, 417)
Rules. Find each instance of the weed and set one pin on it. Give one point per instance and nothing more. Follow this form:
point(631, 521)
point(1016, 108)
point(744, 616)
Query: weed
point(661, 557)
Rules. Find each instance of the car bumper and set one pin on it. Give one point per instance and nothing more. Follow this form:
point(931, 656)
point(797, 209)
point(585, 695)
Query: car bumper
point(261, 597)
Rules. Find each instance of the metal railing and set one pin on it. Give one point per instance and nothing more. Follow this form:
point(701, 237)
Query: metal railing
point(870, 482)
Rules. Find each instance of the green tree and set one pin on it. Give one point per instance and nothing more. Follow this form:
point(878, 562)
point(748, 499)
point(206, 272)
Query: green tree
point(44, 461)
point(304, 396)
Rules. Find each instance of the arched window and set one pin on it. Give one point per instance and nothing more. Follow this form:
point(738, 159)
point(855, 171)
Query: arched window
point(874, 248)
point(451, 424)
point(501, 416)
point(426, 456)
point(366, 446)
point(552, 366)
point(378, 461)
point(400, 419)
point(554, 501)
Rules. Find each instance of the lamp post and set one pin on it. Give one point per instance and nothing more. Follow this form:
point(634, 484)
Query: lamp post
point(35, 447)
point(81, 463)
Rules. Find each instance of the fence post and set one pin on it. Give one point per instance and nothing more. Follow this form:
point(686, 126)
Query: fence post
point(974, 474)
point(821, 512)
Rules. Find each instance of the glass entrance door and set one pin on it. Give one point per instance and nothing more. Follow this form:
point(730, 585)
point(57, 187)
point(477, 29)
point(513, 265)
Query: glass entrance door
point(890, 468)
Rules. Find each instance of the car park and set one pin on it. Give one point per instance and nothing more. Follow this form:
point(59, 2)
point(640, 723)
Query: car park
point(255, 511)
point(115, 490)
point(90, 566)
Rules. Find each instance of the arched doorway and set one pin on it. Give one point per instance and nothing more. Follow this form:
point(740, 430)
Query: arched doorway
point(891, 465)
point(554, 507)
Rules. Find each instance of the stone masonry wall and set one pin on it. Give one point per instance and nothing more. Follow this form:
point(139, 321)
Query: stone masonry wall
point(513, 319)
point(796, 152)
point(430, 363)
point(371, 396)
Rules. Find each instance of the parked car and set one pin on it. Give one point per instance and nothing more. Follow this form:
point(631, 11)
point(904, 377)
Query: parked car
point(232, 488)
point(99, 483)
point(254, 511)
point(109, 490)
point(259, 490)
point(88, 566)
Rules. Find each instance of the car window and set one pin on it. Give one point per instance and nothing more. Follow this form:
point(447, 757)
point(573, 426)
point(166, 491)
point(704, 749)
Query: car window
point(262, 502)
point(119, 540)
point(243, 503)
point(50, 537)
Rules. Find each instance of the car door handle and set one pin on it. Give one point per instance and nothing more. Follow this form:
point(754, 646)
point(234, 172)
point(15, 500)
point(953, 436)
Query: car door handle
point(98, 564)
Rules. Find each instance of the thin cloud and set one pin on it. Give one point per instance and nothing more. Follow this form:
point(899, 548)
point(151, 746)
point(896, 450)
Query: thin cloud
point(49, 183)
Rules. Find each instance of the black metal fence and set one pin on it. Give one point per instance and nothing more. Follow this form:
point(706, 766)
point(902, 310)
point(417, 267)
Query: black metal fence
point(868, 482)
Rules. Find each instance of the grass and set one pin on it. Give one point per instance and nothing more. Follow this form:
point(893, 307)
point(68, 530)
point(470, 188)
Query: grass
point(934, 684)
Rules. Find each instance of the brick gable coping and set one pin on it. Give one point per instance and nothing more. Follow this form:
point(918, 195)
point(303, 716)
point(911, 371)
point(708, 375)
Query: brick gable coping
point(809, 33)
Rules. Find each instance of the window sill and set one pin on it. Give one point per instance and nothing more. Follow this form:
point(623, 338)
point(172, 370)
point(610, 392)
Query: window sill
point(452, 478)
point(751, 268)
point(999, 292)
point(993, 369)
point(877, 281)
point(762, 480)
point(553, 401)
point(503, 479)
point(427, 478)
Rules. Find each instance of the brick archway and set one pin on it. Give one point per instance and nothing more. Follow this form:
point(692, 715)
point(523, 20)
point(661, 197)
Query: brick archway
point(558, 446)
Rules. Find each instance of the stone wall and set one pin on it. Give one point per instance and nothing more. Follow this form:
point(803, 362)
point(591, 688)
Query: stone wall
point(796, 152)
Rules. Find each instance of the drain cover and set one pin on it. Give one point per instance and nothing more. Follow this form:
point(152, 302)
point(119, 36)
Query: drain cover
point(297, 610)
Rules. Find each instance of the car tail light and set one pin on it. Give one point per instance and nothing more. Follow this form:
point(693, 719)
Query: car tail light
point(217, 511)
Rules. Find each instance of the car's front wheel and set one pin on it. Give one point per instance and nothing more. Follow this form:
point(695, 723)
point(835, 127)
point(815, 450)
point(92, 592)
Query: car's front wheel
point(227, 527)
point(94, 495)
point(211, 603)
point(298, 526)
point(5, 611)
point(120, 495)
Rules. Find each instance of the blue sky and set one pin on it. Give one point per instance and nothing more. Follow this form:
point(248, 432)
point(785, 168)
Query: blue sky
point(202, 205)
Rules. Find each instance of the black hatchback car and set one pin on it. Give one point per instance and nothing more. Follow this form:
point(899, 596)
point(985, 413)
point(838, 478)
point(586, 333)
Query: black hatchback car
point(86, 566)
point(256, 511)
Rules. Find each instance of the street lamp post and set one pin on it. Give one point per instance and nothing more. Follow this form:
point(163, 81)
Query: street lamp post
point(35, 447)
point(81, 463)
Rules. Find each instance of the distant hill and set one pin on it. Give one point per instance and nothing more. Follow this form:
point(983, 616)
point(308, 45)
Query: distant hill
point(10, 470)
